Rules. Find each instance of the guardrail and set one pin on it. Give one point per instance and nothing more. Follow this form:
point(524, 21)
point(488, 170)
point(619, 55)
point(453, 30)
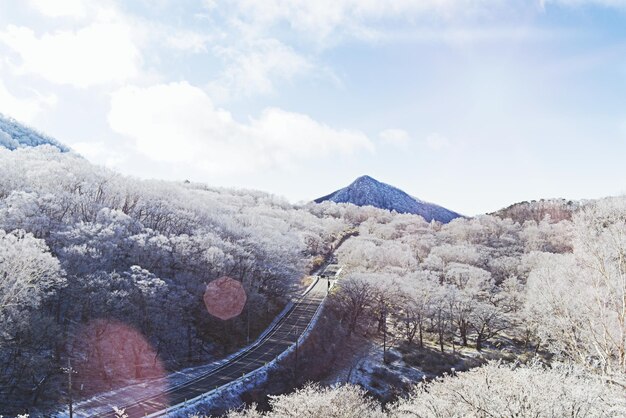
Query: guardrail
point(219, 365)
point(301, 338)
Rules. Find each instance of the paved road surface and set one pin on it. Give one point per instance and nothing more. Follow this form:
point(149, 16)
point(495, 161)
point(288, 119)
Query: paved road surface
point(290, 327)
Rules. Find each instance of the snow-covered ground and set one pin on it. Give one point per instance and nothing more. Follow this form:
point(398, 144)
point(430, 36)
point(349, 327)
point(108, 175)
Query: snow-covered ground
point(368, 371)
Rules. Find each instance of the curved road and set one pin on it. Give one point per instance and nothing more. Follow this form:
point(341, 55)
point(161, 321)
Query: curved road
point(280, 338)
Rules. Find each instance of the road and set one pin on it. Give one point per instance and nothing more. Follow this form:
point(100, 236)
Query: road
point(280, 338)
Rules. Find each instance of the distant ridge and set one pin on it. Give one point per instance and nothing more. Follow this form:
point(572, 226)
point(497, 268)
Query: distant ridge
point(367, 191)
point(14, 134)
point(554, 210)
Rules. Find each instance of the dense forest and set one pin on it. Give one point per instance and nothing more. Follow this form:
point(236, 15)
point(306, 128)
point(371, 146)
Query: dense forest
point(505, 318)
point(531, 314)
point(84, 251)
point(529, 302)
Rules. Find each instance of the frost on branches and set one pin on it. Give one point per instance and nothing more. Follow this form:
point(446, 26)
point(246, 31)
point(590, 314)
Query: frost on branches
point(525, 391)
point(579, 300)
point(493, 390)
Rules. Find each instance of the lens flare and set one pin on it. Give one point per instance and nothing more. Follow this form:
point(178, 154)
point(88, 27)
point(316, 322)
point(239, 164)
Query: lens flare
point(225, 298)
point(110, 355)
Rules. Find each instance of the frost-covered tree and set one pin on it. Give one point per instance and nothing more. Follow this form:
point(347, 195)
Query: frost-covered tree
point(28, 272)
point(578, 300)
point(314, 401)
point(30, 278)
point(414, 307)
point(13, 135)
point(493, 390)
point(355, 298)
point(142, 252)
point(498, 390)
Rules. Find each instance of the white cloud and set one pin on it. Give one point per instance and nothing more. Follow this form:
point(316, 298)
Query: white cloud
point(186, 40)
point(324, 20)
point(24, 109)
point(575, 3)
point(253, 67)
point(178, 122)
point(101, 52)
point(437, 142)
point(465, 35)
point(60, 8)
point(396, 137)
point(100, 152)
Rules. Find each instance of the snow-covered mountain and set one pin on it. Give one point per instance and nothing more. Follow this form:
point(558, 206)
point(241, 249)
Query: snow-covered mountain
point(366, 191)
point(15, 135)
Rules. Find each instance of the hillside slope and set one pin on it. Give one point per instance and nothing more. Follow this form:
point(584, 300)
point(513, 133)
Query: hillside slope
point(537, 210)
point(15, 135)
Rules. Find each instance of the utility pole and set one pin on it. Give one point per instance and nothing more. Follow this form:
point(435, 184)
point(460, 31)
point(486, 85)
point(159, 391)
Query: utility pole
point(248, 314)
point(384, 333)
point(295, 370)
point(69, 370)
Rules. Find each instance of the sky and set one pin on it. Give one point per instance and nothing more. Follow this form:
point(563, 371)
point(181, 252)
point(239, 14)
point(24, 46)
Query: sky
point(471, 104)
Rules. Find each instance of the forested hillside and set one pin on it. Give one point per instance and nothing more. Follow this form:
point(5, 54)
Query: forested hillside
point(15, 135)
point(535, 310)
point(537, 210)
point(94, 262)
point(85, 252)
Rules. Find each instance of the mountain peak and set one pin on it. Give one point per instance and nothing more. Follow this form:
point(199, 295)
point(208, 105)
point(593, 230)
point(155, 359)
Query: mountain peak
point(367, 191)
point(365, 181)
point(365, 178)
